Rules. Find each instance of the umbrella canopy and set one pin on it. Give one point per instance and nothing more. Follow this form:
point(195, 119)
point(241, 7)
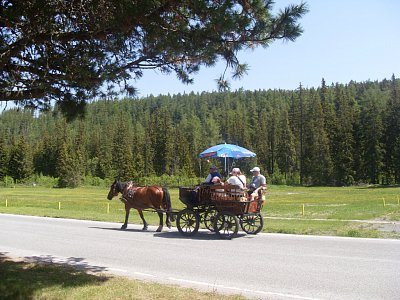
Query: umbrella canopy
point(227, 150)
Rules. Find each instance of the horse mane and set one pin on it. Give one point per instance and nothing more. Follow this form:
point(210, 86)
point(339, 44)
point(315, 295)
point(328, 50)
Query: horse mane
point(121, 185)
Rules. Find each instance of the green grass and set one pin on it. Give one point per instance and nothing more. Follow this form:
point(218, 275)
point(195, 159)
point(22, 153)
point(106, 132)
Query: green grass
point(327, 210)
point(33, 280)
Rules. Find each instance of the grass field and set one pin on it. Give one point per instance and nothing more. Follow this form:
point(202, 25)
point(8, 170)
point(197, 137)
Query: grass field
point(341, 211)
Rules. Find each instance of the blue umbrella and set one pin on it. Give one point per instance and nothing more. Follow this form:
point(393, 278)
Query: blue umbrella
point(227, 151)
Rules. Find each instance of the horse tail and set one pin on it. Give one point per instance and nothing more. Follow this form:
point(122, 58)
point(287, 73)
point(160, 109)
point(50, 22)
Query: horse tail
point(167, 201)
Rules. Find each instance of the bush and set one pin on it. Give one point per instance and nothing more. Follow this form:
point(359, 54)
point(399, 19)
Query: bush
point(95, 181)
point(7, 181)
point(41, 180)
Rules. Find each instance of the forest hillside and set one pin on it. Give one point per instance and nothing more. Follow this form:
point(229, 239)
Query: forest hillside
point(331, 135)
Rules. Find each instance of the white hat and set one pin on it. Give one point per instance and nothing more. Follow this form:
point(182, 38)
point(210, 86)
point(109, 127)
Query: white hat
point(235, 170)
point(255, 169)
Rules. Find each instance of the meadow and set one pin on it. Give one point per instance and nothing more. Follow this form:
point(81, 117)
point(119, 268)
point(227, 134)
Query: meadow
point(364, 211)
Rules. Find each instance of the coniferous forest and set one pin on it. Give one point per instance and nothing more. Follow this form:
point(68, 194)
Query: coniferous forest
point(338, 134)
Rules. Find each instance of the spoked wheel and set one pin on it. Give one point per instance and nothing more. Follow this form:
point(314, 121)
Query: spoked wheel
point(226, 225)
point(188, 222)
point(209, 217)
point(252, 224)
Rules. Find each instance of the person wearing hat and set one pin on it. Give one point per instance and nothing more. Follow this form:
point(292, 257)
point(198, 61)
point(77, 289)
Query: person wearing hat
point(213, 173)
point(237, 178)
point(257, 181)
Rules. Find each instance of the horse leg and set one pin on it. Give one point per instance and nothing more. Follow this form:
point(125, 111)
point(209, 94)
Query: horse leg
point(127, 210)
point(145, 225)
point(167, 221)
point(160, 227)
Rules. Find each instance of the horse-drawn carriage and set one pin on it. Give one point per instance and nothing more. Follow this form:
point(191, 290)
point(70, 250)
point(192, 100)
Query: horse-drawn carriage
point(221, 208)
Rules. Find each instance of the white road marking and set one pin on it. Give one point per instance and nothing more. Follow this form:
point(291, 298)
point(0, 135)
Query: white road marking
point(241, 289)
point(144, 274)
point(117, 270)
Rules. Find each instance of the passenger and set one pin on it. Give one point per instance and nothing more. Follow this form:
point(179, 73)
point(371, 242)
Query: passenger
point(213, 173)
point(258, 182)
point(237, 178)
point(217, 181)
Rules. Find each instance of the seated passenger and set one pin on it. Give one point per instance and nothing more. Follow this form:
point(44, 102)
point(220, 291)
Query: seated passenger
point(213, 173)
point(237, 178)
point(217, 181)
point(257, 184)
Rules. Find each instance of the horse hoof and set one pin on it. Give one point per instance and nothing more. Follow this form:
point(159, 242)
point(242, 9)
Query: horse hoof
point(144, 228)
point(159, 229)
point(123, 227)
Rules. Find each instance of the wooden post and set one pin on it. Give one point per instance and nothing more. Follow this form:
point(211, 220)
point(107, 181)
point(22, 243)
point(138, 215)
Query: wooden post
point(302, 211)
point(59, 205)
point(108, 208)
point(6, 203)
point(384, 203)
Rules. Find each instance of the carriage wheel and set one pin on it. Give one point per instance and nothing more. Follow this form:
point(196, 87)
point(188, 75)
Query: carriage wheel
point(252, 224)
point(226, 225)
point(187, 222)
point(209, 217)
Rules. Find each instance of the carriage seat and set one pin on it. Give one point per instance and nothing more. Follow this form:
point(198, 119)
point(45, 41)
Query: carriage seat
point(228, 192)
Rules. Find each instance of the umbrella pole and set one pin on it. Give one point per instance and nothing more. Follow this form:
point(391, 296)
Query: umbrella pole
point(225, 166)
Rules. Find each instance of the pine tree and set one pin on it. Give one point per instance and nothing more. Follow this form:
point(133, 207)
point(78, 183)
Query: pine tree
point(162, 130)
point(317, 160)
point(286, 150)
point(46, 156)
point(122, 157)
point(69, 162)
point(392, 134)
point(137, 151)
point(3, 158)
point(21, 162)
point(371, 138)
point(66, 167)
point(343, 141)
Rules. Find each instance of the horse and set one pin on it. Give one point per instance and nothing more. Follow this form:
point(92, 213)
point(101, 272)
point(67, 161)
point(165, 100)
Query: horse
point(139, 198)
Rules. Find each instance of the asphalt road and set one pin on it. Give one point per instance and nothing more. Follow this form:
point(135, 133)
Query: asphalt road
point(266, 266)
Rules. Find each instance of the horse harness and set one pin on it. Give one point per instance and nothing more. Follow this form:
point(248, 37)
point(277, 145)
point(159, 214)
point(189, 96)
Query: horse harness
point(128, 193)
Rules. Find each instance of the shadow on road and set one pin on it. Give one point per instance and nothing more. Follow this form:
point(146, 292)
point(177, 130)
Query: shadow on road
point(200, 235)
point(119, 229)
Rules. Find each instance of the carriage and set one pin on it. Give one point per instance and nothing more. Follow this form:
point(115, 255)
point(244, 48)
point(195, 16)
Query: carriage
point(221, 208)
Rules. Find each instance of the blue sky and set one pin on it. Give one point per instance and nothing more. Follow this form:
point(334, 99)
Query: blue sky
point(343, 40)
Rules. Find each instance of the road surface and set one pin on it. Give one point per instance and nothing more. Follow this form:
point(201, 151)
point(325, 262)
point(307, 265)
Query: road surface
point(264, 266)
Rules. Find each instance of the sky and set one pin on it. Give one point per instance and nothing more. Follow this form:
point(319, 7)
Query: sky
point(343, 40)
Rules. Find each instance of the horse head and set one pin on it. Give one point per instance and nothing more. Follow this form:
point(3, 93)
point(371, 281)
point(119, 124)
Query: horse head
point(115, 189)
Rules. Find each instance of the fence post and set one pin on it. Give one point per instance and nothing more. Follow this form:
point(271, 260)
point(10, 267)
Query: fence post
point(384, 203)
point(302, 210)
point(59, 205)
point(108, 208)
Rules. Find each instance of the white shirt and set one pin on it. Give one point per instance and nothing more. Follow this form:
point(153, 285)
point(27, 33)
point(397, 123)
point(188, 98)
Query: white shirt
point(236, 181)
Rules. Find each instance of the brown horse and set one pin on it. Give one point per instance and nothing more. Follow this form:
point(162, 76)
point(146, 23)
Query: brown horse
point(154, 197)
